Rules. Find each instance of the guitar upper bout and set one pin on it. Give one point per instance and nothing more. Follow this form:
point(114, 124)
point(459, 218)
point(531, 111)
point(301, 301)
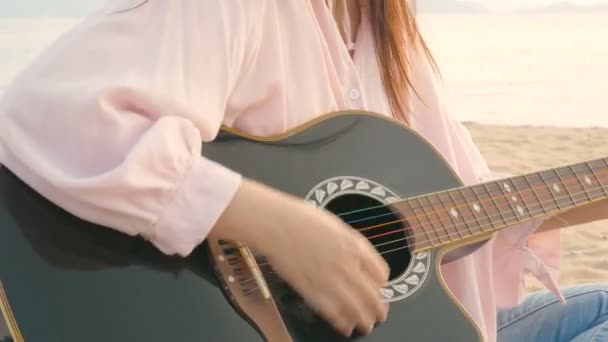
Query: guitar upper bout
point(9, 331)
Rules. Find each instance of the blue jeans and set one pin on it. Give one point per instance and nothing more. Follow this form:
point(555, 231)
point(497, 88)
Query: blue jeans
point(543, 318)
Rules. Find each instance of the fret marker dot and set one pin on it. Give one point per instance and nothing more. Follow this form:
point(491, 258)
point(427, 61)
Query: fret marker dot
point(476, 207)
point(454, 212)
point(231, 279)
point(588, 180)
point(507, 187)
point(520, 210)
point(514, 199)
point(556, 187)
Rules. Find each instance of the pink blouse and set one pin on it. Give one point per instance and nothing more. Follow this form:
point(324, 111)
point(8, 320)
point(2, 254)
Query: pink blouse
point(108, 123)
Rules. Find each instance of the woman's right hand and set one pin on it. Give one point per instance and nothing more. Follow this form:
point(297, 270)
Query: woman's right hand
point(332, 266)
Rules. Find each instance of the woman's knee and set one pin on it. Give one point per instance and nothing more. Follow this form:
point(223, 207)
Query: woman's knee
point(592, 296)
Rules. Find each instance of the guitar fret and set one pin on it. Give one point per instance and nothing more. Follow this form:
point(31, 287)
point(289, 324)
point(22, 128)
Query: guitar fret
point(604, 184)
point(602, 165)
point(483, 203)
point(580, 182)
point(507, 190)
point(572, 184)
point(561, 191)
point(440, 212)
point(597, 179)
point(475, 208)
point(527, 206)
point(431, 221)
point(550, 189)
point(467, 213)
point(504, 219)
point(498, 198)
point(420, 225)
point(452, 212)
point(424, 219)
point(546, 194)
point(540, 202)
point(564, 185)
point(462, 206)
point(594, 192)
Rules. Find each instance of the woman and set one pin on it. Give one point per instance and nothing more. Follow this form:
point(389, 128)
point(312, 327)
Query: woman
point(145, 86)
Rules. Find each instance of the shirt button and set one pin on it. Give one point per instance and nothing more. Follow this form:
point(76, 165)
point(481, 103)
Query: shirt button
point(354, 94)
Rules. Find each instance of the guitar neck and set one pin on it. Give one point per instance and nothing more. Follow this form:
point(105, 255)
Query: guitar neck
point(450, 216)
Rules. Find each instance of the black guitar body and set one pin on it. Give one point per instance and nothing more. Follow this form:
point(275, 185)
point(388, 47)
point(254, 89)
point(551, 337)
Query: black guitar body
point(68, 280)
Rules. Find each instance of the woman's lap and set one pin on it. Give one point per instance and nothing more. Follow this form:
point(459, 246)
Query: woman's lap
point(542, 317)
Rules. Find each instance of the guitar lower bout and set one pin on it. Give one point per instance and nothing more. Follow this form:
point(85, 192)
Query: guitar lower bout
point(9, 331)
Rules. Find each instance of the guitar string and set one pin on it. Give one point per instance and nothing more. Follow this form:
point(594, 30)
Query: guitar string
point(449, 235)
point(483, 199)
point(543, 206)
point(586, 191)
point(593, 173)
point(501, 214)
point(272, 273)
point(269, 272)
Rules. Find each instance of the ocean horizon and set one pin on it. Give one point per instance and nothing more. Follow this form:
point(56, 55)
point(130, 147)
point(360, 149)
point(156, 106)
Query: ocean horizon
point(530, 70)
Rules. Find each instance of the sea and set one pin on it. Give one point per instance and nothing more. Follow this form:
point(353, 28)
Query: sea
point(503, 69)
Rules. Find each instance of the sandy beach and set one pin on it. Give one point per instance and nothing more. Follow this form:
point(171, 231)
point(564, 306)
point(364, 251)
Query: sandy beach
point(517, 150)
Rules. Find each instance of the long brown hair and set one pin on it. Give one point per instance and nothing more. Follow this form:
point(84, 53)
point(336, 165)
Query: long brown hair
point(396, 35)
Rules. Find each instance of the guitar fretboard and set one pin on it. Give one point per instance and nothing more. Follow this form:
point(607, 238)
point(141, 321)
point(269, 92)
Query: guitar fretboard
point(445, 217)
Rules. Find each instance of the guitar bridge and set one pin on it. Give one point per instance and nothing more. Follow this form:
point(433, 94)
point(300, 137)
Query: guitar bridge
point(254, 269)
point(246, 287)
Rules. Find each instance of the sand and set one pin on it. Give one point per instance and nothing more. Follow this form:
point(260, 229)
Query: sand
point(518, 150)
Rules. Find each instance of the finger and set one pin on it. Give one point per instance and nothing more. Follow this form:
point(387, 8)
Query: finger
point(373, 304)
point(353, 303)
point(336, 314)
point(367, 305)
point(374, 263)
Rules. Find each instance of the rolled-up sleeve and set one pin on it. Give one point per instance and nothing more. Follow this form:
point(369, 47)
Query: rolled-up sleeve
point(110, 121)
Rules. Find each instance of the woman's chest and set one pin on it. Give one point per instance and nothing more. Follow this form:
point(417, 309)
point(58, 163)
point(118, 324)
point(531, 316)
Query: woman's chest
point(302, 69)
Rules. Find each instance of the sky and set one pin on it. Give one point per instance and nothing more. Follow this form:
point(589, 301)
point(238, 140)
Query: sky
point(510, 4)
point(46, 7)
point(79, 7)
point(545, 2)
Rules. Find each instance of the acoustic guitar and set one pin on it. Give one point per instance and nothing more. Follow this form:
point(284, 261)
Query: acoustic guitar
point(65, 279)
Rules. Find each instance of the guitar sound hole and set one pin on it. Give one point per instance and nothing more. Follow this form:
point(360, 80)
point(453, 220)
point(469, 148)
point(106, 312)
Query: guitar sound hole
point(384, 228)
